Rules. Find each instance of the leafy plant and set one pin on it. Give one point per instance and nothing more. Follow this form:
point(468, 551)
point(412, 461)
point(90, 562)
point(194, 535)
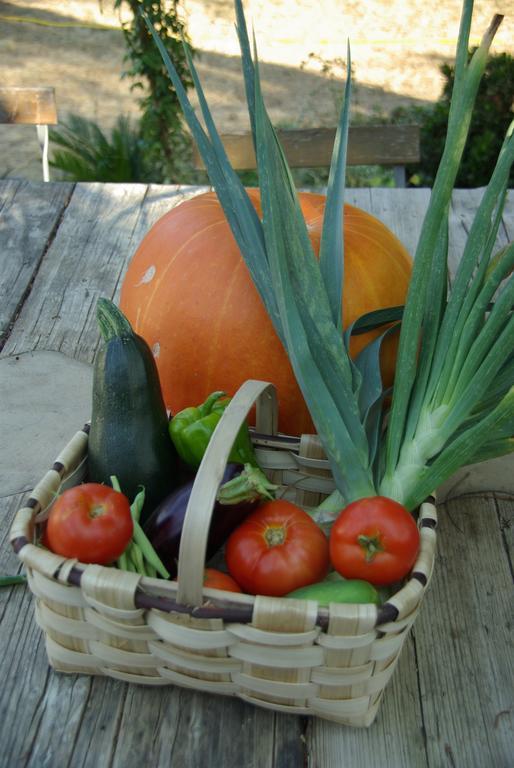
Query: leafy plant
point(492, 115)
point(165, 142)
point(88, 154)
point(157, 148)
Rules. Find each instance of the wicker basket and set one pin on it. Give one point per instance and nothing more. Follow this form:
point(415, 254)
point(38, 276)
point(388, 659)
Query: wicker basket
point(287, 655)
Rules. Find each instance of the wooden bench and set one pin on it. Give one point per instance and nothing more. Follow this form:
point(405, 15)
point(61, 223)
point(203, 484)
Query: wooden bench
point(388, 145)
point(31, 106)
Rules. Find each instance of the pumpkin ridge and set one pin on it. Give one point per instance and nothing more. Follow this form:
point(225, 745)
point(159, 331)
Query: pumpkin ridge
point(217, 327)
point(171, 261)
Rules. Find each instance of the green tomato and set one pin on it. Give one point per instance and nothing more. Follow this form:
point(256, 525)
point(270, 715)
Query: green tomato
point(338, 591)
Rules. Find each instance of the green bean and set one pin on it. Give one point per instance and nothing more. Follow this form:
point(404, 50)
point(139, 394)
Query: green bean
point(148, 551)
point(9, 581)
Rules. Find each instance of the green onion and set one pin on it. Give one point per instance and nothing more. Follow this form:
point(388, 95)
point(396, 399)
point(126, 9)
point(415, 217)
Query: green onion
point(452, 400)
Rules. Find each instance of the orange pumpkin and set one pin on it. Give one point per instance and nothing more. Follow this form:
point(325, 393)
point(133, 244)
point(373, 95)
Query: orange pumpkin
point(188, 292)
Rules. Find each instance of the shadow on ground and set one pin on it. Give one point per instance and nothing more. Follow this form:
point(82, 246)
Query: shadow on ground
point(85, 65)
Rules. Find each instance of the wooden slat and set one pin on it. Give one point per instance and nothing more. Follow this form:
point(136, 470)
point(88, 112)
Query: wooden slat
point(204, 730)
point(312, 147)
point(32, 106)
point(464, 640)
point(394, 740)
point(102, 227)
point(506, 520)
point(464, 205)
point(25, 233)
point(402, 210)
point(23, 666)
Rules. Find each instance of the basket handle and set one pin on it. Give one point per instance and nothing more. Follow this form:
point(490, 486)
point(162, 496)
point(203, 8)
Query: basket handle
point(195, 530)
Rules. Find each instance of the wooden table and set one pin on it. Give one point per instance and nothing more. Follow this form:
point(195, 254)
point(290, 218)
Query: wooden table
point(450, 699)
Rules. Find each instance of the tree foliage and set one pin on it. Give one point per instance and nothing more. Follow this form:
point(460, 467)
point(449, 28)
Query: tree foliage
point(494, 111)
point(162, 131)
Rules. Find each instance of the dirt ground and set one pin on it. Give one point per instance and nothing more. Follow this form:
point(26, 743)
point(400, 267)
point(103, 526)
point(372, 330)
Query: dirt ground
point(397, 48)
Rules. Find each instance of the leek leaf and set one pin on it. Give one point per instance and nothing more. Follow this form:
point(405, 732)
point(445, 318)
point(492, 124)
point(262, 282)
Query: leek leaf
point(325, 341)
point(453, 396)
point(493, 449)
point(437, 290)
point(238, 208)
point(286, 248)
point(472, 387)
point(367, 363)
point(459, 452)
point(372, 320)
point(417, 298)
point(331, 252)
point(477, 250)
point(247, 64)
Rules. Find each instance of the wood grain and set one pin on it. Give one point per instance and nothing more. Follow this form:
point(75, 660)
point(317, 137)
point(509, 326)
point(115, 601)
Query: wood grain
point(464, 641)
point(32, 106)
point(103, 226)
point(396, 737)
point(506, 520)
point(402, 210)
point(312, 147)
point(29, 214)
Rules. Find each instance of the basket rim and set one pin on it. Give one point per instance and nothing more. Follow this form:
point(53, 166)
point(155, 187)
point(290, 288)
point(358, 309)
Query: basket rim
point(214, 607)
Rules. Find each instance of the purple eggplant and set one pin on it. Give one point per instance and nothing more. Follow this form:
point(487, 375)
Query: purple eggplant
point(241, 490)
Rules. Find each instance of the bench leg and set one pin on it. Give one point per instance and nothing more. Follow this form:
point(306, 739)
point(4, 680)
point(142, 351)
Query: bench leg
point(42, 135)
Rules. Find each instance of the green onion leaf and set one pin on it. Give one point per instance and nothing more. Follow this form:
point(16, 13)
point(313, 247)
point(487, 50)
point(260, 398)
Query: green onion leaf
point(331, 252)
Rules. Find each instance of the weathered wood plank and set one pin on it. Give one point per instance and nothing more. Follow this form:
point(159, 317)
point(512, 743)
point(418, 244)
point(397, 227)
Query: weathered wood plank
point(396, 737)
point(312, 147)
point(178, 727)
point(402, 210)
point(506, 519)
point(23, 666)
point(464, 641)
point(100, 230)
point(84, 261)
point(32, 106)
point(29, 213)
point(462, 213)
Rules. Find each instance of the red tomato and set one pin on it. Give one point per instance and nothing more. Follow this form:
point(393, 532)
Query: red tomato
point(218, 580)
point(375, 539)
point(277, 549)
point(91, 522)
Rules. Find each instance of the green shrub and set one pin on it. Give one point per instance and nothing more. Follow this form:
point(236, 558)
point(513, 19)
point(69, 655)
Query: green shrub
point(157, 148)
point(493, 114)
point(165, 142)
point(87, 154)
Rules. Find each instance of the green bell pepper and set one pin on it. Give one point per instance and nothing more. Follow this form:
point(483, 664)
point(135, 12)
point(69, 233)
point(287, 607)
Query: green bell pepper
point(192, 428)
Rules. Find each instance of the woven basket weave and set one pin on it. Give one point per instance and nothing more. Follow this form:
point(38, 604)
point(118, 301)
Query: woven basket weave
point(287, 655)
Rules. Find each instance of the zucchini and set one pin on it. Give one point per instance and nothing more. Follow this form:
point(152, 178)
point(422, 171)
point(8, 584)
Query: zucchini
point(129, 435)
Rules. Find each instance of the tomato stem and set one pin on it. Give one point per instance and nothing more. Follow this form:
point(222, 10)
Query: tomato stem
point(371, 546)
point(274, 536)
point(96, 510)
